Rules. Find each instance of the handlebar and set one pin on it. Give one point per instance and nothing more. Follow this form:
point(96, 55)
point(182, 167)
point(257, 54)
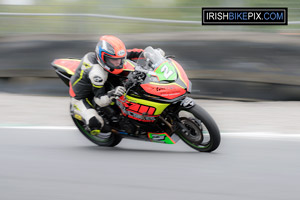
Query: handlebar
point(138, 75)
point(140, 69)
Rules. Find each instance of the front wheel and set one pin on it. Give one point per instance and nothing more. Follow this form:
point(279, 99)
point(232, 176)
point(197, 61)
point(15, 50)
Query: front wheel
point(111, 141)
point(198, 129)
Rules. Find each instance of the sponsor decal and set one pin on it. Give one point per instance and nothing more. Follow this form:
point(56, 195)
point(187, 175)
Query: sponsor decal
point(137, 111)
point(161, 138)
point(121, 53)
point(158, 137)
point(97, 79)
point(160, 88)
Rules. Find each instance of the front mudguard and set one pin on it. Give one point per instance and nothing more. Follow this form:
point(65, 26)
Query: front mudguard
point(187, 103)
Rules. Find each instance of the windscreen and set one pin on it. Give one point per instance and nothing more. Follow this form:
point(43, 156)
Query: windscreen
point(153, 60)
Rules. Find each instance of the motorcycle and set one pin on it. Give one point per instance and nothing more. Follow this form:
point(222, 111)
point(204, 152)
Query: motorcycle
point(154, 108)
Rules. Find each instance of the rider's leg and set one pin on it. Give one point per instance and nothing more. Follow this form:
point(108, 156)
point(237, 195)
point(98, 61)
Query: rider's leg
point(84, 110)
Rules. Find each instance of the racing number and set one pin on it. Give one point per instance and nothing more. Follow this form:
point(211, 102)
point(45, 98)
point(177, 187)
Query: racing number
point(166, 71)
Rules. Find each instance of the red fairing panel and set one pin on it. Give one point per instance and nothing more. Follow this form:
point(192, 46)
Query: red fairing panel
point(182, 73)
point(71, 91)
point(67, 63)
point(165, 91)
point(128, 66)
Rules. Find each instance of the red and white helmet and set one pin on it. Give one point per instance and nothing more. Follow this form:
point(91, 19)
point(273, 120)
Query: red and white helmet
point(111, 53)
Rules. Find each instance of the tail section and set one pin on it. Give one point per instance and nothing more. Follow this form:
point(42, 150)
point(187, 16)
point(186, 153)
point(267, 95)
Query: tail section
point(65, 68)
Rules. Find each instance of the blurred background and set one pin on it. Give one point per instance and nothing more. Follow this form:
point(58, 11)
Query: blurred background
point(223, 62)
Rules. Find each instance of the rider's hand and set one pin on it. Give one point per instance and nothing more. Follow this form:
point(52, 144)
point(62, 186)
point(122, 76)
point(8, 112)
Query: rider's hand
point(117, 92)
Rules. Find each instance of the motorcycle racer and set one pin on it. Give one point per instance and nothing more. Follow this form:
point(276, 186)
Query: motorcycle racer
point(87, 85)
point(155, 108)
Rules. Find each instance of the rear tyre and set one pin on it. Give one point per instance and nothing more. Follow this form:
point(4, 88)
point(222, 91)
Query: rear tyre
point(199, 129)
point(111, 141)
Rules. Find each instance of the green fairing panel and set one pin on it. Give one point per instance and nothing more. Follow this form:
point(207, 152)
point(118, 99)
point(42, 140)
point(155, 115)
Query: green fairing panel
point(166, 72)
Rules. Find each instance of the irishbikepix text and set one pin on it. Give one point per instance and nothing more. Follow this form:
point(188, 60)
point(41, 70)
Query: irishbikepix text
point(244, 16)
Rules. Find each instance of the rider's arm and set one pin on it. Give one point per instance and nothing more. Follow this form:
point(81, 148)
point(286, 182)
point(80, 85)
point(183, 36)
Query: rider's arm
point(98, 78)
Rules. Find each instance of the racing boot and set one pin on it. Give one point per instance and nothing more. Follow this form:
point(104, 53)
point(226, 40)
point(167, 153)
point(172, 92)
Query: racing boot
point(96, 128)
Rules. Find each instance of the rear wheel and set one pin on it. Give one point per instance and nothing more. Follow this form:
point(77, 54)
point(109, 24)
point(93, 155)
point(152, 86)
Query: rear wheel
point(198, 129)
point(111, 141)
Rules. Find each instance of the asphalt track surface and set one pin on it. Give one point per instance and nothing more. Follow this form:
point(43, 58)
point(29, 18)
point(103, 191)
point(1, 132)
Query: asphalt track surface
point(56, 162)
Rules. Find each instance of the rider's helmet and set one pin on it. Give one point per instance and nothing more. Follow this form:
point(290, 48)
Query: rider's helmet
point(111, 53)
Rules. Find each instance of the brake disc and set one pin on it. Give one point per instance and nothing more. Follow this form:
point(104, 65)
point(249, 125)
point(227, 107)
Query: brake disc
point(194, 130)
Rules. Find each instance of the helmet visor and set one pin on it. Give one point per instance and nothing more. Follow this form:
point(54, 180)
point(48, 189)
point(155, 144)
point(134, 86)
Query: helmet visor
point(114, 63)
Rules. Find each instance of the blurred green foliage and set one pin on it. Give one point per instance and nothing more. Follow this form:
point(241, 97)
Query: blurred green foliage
point(158, 9)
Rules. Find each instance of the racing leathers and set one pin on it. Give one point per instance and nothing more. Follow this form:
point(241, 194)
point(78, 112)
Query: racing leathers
point(87, 88)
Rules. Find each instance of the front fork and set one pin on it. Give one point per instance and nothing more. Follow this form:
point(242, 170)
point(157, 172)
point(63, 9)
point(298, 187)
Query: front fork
point(186, 104)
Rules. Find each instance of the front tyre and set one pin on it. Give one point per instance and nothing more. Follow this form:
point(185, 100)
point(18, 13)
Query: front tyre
point(198, 129)
point(111, 141)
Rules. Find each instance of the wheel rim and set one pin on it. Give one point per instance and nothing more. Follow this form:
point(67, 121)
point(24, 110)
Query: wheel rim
point(199, 137)
point(194, 132)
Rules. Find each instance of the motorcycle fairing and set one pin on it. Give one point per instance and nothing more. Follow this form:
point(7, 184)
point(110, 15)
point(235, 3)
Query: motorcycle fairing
point(182, 75)
point(140, 109)
point(170, 86)
point(65, 68)
point(66, 65)
point(168, 91)
point(128, 66)
point(161, 138)
point(166, 72)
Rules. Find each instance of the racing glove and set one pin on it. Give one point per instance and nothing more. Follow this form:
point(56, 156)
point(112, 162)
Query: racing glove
point(117, 92)
point(105, 100)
